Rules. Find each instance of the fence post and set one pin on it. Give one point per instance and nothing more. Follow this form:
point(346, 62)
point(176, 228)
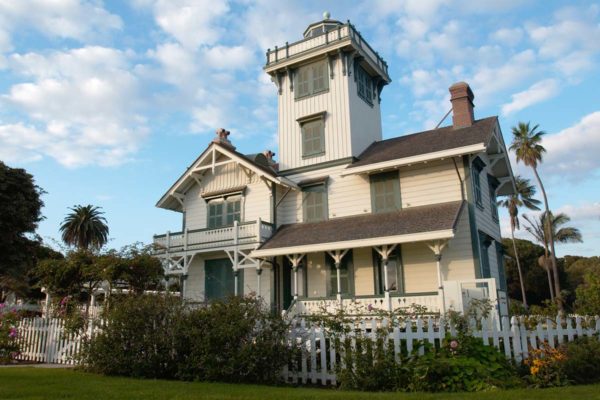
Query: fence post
point(516, 339)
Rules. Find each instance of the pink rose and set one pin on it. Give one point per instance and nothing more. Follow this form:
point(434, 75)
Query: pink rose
point(453, 344)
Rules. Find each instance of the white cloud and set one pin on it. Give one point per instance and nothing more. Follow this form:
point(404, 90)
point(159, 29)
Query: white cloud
point(573, 152)
point(586, 212)
point(223, 57)
point(81, 20)
point(508, 36)
point(82, 106)
point(191, 22)
point(536, 93)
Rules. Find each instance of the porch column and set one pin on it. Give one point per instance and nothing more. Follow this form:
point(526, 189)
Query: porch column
point(437, 248)
point(295, 259)
point(385, 251)
point(182, 280)
point(235, 258)
point(258, 274)
point(337, 256)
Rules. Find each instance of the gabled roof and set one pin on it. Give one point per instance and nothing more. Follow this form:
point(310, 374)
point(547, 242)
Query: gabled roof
point(173, 198)
point(438, 140)
point(430, 222)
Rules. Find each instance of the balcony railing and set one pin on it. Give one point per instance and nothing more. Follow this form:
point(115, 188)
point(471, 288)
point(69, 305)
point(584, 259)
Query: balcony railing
point(200, 239)
point(343, 32)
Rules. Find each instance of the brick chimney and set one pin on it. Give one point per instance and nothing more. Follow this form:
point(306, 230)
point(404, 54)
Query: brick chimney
point(461, 98)
point(222, 138)
point(269, 156)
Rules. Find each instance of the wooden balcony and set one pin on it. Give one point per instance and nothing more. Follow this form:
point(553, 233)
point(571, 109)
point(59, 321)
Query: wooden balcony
point(343, 35)
point(206, 239)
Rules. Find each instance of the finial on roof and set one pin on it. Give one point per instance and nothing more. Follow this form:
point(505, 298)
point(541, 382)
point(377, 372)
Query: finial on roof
point(326, 15)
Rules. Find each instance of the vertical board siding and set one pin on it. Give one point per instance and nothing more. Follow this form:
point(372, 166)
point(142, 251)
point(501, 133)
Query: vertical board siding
point(317, 275)
point(431, 183)
point(420, 271)
point(365, 120)
point(363, 271)
point(194, 285)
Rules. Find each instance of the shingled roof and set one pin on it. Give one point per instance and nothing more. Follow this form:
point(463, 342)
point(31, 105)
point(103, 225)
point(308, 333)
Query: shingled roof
point(427, 142)
point(414, 220)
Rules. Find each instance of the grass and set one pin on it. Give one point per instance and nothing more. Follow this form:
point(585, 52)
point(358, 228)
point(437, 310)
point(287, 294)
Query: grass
point(39, 383)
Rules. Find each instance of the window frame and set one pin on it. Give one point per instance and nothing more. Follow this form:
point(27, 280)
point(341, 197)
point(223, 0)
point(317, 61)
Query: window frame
point(223, 203)
point(364, 84)
point(306, 123)
point(320, 187)
point(485, 242)
point(492, 186)
point(395, 256)
point(476, 167)
point(309, 77)
point(347, 265)
point(393, 176)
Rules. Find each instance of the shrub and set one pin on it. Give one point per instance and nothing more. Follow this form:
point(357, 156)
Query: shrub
point(547, 366)
point(233, 340)
point(9, 347)
point(137, 339)
point(582, 364)
point(588, 295)
point(150, 336)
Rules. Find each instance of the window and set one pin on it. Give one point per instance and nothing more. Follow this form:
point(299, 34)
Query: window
point(394, 273)
point(476, 168)
point(224, 212)
point(484, 244)
point(385, 192)
point(313, 137)
point(364, 85)
point(314, 203)
point(312, 79)
point(493, 185)
point(346, 275)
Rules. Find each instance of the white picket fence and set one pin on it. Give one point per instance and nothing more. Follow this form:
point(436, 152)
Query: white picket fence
point(45, 340)
point(318, 359)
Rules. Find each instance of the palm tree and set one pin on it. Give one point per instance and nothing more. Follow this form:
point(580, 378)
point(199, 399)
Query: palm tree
point(522, 197)
point(543, 228)
point(85, 228)
point(527, 148)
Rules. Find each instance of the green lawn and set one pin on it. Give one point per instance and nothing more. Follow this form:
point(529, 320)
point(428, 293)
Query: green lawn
point(37, 383)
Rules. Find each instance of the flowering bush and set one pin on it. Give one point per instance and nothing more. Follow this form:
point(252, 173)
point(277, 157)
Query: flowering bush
point(9, 348)
point(547, 366)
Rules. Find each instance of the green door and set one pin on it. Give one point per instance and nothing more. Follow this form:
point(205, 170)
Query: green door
point(219, 279)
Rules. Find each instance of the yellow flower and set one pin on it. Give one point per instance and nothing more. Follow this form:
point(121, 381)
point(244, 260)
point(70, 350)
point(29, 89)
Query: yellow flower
point(534, 370)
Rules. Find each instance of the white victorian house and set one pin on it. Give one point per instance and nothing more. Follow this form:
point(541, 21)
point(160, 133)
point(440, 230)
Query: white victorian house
point(344, 216)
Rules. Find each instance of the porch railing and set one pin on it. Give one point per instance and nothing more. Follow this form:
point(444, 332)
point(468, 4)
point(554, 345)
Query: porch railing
point(199, 239)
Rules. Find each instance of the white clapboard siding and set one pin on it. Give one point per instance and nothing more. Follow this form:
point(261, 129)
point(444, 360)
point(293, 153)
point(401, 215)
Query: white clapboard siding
point(430, 183)
point(319, 358)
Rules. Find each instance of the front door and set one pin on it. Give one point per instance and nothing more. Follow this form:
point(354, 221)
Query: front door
point(219, 280)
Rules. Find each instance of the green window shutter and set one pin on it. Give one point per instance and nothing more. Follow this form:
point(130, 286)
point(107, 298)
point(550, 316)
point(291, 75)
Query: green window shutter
point(302, 82)
point(315, 203)
point(385, 192)
point(313, 138)
point(320, 82)
point(215, 215)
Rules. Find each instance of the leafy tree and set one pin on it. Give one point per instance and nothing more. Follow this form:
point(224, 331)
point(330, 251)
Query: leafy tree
point(85, 228)
point(588, 295)
point(523, 197)
point(527, 147)
point(577, 267)
point(534, 278)
point(547, 226)
point(20, 213)
point(137, 268)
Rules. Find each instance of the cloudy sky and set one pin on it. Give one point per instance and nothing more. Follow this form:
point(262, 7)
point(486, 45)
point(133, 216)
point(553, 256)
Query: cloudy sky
point(107, 102)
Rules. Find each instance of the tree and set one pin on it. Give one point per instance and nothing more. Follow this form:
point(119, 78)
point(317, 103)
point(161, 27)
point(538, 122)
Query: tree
point(527, 147)
point(85, 228)
point(588, 295)
point(137, 268)
point(534, 278)
point(523, 197)
point(548, 226)
point(20, 213)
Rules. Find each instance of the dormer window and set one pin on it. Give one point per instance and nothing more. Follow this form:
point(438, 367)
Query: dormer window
point(312, 79)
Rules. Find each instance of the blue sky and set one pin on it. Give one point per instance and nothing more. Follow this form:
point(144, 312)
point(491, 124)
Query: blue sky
point(108, 102)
